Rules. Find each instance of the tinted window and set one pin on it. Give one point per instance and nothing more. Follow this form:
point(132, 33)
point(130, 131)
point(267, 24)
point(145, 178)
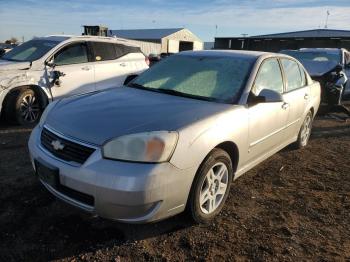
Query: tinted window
point(104, 51)
point(72, 54)
point(269, 77)
point(205, 77)
point(292, 73)
point(122, 50)
point(30, 51)
point(108, 51)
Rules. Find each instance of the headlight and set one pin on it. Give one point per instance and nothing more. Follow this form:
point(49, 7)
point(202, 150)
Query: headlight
point(153, 147)
point(46, 112)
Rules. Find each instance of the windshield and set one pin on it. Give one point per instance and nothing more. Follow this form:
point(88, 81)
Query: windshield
point(30, 51)
point(214, 78)
point(315, 56)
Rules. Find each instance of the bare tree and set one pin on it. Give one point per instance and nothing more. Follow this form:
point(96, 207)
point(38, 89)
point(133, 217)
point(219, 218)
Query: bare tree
point(12, 40)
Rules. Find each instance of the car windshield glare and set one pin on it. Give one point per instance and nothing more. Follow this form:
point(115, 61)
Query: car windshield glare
point(315, 56)
point(30, 51)
point(214, 78)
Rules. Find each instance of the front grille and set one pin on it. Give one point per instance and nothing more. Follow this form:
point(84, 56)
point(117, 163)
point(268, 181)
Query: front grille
point(68, 150)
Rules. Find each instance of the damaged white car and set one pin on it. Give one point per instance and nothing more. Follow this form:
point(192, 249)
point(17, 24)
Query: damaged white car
point(47, 68)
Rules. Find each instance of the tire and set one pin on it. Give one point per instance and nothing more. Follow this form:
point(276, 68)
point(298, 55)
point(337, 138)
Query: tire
point(23, 107)
point(305, 132)
point(204, 187)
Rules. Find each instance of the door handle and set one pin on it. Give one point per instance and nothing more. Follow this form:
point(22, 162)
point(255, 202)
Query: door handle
point(306, 96)
point(85, 68)
point(122, 64)
point(285, 105)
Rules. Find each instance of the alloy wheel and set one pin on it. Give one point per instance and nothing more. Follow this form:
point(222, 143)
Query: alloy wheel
point(213, 188)
point(29, 108)
point(306, 130)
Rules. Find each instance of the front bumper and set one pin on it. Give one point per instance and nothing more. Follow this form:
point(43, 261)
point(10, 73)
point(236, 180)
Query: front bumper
point(124, 191)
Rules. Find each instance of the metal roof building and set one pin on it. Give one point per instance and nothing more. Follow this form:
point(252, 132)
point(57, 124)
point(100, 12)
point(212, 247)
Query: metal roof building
point(171, 40)
point(321, 38)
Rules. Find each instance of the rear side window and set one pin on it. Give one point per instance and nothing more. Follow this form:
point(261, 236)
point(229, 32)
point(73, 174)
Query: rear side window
point(269, 77)
point(123, 50)
point(104, 51)
point(109, 51)
point(293, 74)
point(303, 76)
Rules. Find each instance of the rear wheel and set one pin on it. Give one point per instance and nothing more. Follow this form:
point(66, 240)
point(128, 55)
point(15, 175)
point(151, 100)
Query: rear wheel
point(23, 107)
point(210, 187)
point(305, 132)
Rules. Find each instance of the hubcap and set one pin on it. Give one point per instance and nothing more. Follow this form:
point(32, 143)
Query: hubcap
point(213, 188)
point(306, 130)
point(29, 108)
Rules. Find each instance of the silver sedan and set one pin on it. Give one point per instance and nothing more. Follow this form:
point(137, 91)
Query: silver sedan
point(176, 136)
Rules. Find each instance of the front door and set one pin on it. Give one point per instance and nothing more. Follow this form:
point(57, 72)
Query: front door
point(78, 73)
point(267, 121)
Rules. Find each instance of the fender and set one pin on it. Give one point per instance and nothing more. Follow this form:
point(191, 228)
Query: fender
point(42, 92)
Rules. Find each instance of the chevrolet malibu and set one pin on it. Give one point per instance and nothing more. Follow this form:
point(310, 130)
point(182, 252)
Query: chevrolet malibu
point(176, 136)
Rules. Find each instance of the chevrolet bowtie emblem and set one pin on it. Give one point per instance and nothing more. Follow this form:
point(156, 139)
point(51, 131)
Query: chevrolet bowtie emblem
point(57, 145)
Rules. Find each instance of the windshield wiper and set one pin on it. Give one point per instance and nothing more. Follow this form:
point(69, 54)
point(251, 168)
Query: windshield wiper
point(178, 93)
point(138, 86)
point(171, 92)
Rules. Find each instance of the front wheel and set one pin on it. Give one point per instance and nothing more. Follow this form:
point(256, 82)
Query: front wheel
point(210, 187)
point(23, 107)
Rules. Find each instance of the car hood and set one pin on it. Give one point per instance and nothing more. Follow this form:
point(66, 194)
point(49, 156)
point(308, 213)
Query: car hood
point(11, 65)
point(100, 116)
point(316, 69)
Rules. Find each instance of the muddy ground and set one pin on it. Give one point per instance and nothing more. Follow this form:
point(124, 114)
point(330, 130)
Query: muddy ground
point(294, 206)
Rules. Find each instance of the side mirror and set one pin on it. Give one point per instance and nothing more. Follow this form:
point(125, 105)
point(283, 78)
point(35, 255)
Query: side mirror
point(265, 96)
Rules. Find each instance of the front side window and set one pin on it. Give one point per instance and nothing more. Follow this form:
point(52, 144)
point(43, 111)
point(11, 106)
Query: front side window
point(293, 74)
point(30, 51)
point(72, 54)
point(269, 77)
point(214, 78)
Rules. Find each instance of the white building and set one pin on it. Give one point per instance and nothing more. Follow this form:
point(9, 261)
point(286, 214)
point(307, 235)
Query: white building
point(171, 40)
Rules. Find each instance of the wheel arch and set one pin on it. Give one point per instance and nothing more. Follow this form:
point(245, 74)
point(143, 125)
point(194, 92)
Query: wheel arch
point(232, 150)
point(44, 99)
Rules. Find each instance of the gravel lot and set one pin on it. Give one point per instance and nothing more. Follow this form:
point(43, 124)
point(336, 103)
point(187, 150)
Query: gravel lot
point(294, 206)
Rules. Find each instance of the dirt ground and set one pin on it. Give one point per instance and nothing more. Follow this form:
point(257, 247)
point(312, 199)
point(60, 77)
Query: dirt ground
point(293, 207)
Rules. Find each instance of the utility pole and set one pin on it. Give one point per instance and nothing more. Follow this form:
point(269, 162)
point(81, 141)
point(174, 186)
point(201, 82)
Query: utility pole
point(326, 24)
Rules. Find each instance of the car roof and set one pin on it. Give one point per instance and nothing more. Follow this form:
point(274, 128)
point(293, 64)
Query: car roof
point(61, 38)
point(327, 50)
point(231, 53)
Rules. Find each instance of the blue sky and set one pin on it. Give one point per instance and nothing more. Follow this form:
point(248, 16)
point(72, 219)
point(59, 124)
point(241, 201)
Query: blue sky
point(30, 18)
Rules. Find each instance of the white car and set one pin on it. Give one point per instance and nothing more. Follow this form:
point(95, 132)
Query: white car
point(48, 68)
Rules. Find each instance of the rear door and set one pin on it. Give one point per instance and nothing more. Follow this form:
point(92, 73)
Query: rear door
point(113, 62)
point(267, 121)
point(109, 72)
point(297, 95)
point(73, 61)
